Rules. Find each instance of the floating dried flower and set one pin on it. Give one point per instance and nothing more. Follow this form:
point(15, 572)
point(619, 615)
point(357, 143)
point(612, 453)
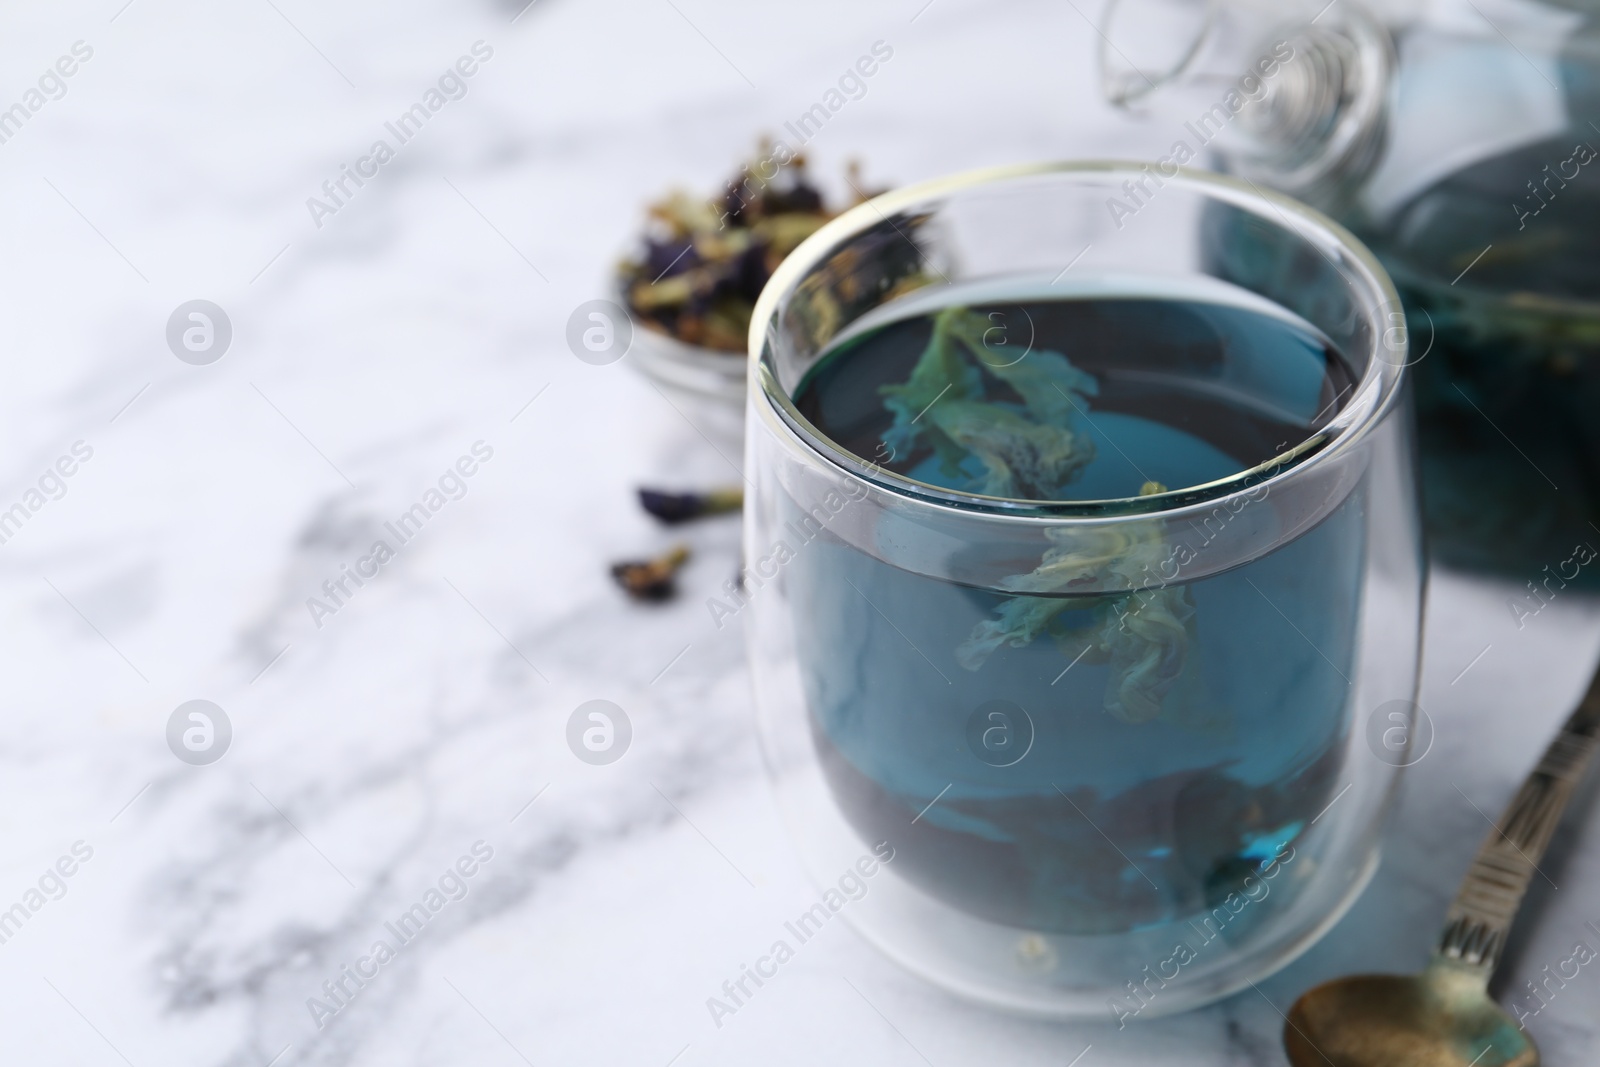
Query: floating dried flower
point(984, 445)
point(1012, 429)
point(1143, 634)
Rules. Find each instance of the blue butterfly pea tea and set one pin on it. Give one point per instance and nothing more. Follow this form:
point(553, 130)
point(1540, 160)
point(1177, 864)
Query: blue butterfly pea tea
point(1179, 734)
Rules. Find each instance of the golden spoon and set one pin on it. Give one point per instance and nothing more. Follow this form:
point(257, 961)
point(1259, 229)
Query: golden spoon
point(1444, 1017)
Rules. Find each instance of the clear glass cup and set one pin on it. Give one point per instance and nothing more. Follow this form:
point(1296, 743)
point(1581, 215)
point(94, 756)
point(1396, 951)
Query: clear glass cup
point(1009, 830)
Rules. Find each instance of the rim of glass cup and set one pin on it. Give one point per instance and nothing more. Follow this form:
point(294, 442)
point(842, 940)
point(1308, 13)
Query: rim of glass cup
point(1371, 401)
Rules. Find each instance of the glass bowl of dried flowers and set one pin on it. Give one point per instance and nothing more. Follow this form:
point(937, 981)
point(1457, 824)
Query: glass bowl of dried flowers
point(692, 284)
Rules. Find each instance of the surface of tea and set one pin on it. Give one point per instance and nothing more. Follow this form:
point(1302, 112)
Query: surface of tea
point(1178, 387)
point(1064, 762)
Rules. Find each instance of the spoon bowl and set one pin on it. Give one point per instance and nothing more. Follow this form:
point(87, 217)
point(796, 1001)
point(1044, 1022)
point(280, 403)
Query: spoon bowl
point(1443, 1017)
point(1440, 1018)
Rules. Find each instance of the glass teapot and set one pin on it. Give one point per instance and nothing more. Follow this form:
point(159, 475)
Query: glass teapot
point(1461, 140)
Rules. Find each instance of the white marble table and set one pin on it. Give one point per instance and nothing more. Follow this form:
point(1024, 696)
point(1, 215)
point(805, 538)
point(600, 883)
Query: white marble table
point(371, 752)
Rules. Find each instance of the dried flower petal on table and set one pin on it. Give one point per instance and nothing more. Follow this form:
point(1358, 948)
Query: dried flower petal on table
point(672, 508)
point(651, 579)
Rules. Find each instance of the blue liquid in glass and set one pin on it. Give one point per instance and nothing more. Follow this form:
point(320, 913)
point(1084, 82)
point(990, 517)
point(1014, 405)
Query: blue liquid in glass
point(1019, 789)
point(1499, 268)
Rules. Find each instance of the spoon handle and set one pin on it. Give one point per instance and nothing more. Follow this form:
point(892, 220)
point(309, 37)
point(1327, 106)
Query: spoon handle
point(1480, 916)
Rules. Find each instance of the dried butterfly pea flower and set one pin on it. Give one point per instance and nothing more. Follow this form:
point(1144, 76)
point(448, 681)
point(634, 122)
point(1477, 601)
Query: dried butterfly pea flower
point(651, 579)
point(705, 262)
point(984, 444)
point(882, 263)
point(1142, 635)
point(673, 508)
point(1024, 442)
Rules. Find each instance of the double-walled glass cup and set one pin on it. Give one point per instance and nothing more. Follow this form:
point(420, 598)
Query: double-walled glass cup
point(1032, 829)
